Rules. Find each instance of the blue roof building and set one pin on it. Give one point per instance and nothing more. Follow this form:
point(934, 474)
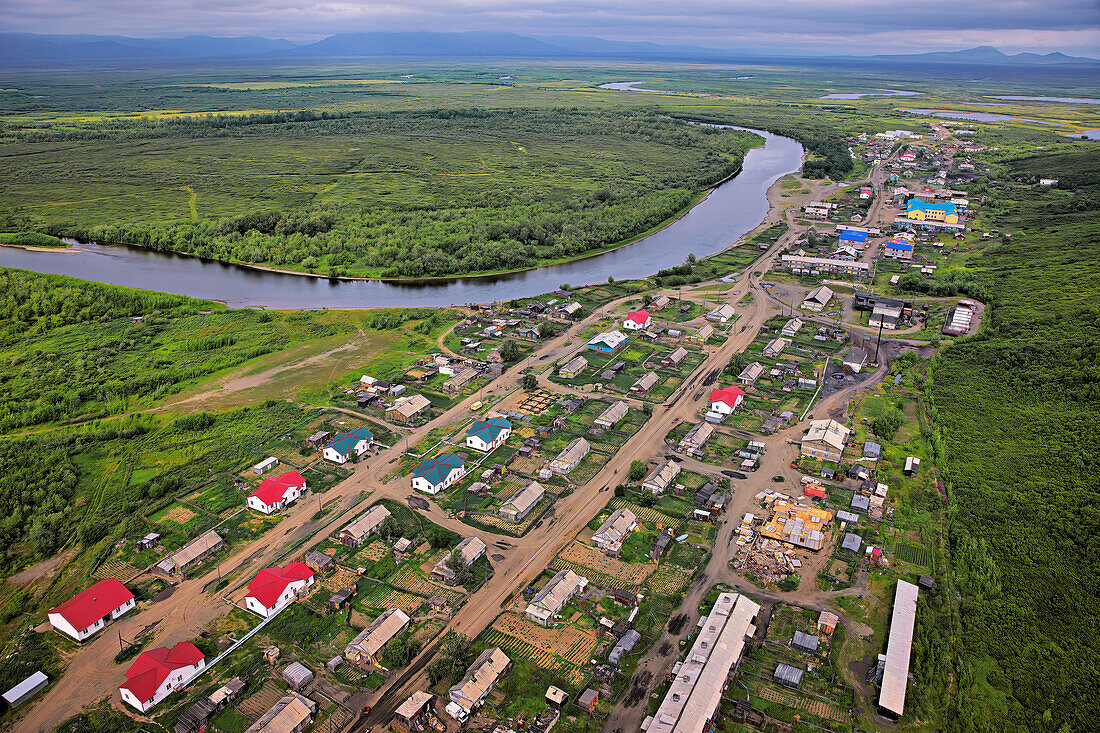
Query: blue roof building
point(435, 474)
point(852, 236)
point(485, 435)
point(343, 445)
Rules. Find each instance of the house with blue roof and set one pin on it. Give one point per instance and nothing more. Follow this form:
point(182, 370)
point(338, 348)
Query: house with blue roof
point(345, 445)
point(849, 235)
point(487, 435)
point(436, 474)
point(898, 248)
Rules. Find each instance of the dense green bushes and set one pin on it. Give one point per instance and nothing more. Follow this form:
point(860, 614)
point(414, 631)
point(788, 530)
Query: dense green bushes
point(1019, 410)
point(76, 350)
point(589, 179)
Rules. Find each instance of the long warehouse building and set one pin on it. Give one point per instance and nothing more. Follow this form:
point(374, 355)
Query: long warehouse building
point(691, 703)
point(895, 675)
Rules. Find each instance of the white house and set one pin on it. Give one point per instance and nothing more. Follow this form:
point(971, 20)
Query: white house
point(637, 321)
point(725, 400)
point(274, 494)
point(488, 435)
point(436, 474)
point(722, 313)
point(275, 587)
point(614, 531)
point(345, 445)
point(88, 611)
point(155, 674)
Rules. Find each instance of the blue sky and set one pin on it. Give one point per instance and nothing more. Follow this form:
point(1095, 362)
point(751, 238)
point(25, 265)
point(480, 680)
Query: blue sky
point(803, 26)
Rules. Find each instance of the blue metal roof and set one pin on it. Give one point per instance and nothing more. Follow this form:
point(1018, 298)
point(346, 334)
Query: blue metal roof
point(899, 244)
point(488, 430)
point(850, 236)
point(344, 443)
point(436, 470)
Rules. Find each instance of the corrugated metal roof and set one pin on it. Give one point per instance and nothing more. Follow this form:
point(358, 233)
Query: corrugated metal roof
point(895, 675)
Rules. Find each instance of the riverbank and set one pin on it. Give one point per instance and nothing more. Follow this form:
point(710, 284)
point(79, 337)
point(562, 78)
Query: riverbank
point(712, 221)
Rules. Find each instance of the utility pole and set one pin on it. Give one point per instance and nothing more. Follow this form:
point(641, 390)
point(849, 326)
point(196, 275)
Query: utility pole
point(878, 341)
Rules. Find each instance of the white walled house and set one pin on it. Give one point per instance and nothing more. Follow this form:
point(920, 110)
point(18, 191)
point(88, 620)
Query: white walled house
point(155, 674)
point(275, 587)
point(88, 611)
point(725, 400)
point(488, 435)
point(435, 474)
point(637, 320)
point(342, 447)
point(278, 493)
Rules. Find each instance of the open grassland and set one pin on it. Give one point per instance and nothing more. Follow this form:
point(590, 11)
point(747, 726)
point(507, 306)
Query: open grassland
point(72, 351)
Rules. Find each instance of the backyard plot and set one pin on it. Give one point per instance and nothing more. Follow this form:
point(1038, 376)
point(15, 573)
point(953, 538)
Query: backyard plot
point(589, 557)
point(382, 596)
point(408, 579)
point(820, 708)
point(913, 553)
point(519, 649)
point(645, 514)
point(568, 642)
point(259, 703)
point(121, 570)
point(669, 579)
point(507, 526)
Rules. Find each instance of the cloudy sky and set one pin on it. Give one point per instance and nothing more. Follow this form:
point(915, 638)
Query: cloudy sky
point(804, 26)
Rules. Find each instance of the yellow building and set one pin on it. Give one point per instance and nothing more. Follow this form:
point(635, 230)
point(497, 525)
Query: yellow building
point(944, 213)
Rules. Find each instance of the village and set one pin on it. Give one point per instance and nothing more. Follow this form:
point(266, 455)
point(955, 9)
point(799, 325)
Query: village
point(504, 533)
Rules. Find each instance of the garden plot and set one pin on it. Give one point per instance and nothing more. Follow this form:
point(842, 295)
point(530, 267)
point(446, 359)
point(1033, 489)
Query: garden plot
point(669, 579)
point(369, 553)
point(645, 514)
point(259, 703)
point(519, 649)
point(820, 708)
point(568, 642)
point(427, 631)
point(119, 569)
point(590, 557)
point(507, 526)
point(408, 579)
point(383, 597)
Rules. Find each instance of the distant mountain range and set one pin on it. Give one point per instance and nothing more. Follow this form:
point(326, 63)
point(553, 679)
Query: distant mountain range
point(987, 55)
point(27, 49)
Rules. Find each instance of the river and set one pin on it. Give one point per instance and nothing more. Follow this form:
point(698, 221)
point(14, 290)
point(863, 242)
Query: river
point(730, 211)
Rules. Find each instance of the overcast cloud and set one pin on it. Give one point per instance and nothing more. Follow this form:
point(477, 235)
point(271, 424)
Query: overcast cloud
point(832, 26)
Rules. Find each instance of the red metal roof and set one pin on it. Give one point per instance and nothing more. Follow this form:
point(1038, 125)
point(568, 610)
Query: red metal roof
point(727, 395)
point(270, 583)
point(92, 604)
point(151, 668)
point(272, 490)
point(814, 491)
point(638, 316)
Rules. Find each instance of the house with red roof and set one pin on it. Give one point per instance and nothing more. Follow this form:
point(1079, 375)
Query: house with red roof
point(88, 611)
point(155, 674)
point(277, 493)
point(637, 320)
point(275, 587)
point(725, 400)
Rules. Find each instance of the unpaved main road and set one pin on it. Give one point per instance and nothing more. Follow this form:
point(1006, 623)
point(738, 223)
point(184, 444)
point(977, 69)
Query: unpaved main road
point(91, 675)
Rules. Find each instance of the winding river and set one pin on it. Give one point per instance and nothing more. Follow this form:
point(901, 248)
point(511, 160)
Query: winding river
point(730, 211)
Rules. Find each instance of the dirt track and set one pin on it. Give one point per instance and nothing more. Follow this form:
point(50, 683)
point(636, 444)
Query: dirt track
point(91, 675)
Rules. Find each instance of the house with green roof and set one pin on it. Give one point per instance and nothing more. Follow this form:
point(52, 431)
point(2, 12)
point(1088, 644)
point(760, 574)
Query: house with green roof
point(487, 435)
point(344, 445)
point(435, 474)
